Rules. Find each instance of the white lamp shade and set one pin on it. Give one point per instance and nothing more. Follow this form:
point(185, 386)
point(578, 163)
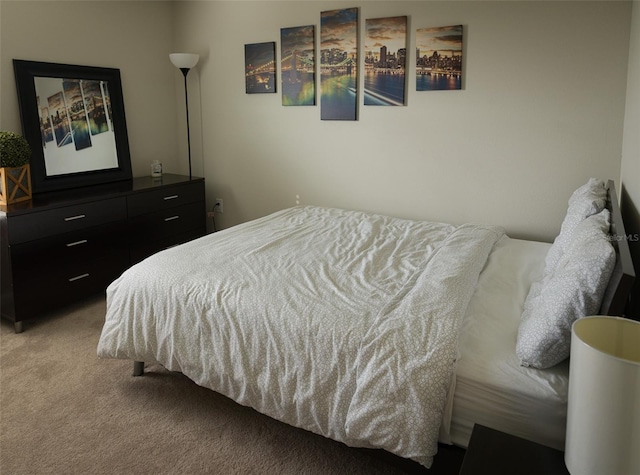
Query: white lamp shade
point(603, 417)
point(184, 60)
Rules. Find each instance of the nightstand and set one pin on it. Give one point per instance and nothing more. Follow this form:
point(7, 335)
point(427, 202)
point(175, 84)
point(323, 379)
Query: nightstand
point(493, 452)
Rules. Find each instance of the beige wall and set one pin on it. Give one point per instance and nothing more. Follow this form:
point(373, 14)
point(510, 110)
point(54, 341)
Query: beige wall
point(135, 37)
point(542, 108)
point(630, 200)
point(541, 111)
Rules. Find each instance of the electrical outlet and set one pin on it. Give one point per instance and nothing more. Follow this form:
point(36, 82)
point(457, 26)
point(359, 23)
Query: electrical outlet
point(219, 205)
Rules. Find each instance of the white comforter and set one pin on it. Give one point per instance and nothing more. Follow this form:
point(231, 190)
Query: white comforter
point(341, 323)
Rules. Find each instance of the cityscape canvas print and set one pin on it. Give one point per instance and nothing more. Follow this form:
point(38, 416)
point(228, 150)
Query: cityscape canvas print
point(339, 64)
point(260, 67)
point(385, 50)
point(297, 63)
point(439, 58)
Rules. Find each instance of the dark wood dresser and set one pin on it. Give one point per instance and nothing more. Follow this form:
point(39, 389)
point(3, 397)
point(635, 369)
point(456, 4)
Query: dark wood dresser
point(63, 246)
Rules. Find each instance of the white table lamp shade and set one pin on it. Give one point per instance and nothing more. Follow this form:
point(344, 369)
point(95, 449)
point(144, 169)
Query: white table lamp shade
point(603, 417)
point(184, 60)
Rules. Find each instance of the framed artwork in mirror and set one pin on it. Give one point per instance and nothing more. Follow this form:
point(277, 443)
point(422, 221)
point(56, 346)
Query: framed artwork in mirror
point(73, 118)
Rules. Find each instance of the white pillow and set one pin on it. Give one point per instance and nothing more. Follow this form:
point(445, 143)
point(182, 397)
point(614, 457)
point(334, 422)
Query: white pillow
point(589, 199)
point(573, 291)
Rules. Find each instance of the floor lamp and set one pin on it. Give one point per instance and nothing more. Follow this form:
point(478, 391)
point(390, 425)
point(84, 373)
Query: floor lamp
point(185, 61)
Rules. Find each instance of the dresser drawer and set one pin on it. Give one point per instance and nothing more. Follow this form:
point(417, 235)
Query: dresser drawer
point(164, 198)
point(64, 286)
point(32, 226)
point(45, 256)
point(167, 222)
point(144, 248)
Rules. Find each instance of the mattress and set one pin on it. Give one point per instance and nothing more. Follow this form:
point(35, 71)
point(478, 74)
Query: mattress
point(491, 388)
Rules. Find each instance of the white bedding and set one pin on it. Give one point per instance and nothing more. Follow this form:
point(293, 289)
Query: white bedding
point(341, 323)
point(491, 387)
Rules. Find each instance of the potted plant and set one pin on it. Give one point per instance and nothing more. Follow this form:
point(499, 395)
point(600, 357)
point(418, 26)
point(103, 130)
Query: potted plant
point(15, 173)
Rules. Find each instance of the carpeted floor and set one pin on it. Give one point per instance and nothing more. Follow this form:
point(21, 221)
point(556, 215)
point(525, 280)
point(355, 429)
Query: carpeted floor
point(63, 410)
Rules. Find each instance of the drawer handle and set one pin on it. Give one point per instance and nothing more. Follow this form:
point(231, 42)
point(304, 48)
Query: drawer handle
point(172, 197)
point(171, 218)
point(78, 277)
point(73, 218)
point(77, 243)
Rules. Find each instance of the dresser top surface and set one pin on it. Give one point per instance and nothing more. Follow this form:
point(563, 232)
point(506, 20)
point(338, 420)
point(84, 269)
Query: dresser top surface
point(43, 201)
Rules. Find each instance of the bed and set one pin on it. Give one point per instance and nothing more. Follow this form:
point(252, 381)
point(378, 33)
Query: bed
point(371, 330)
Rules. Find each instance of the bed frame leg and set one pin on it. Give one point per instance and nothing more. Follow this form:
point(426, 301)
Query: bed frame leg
point(138, 368)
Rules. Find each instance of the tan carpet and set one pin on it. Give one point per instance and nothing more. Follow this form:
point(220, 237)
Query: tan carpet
point(64, 411)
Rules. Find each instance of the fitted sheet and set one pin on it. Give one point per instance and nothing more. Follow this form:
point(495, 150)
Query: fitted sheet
point(491, 388)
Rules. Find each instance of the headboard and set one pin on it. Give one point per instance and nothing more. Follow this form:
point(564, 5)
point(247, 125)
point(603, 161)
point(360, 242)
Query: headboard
point(616, 296)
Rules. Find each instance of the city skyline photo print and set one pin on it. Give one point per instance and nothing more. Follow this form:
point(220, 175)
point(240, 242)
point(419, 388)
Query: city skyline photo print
point(439, 58)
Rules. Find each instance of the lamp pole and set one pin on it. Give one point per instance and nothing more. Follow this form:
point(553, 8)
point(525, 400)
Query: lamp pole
point(184, 62)
point(185, 71)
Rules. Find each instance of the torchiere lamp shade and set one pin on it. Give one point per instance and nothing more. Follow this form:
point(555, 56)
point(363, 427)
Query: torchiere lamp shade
point(184, 60)
point(603, 417)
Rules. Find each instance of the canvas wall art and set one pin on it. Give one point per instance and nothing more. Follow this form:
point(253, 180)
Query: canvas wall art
point(298, 66)
point(385, 50)
point(439, 58)
point(339, 64)
point(260, 67)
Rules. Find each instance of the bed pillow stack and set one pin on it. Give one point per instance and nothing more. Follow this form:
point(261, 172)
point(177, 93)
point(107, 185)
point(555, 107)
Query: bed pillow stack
point(577, 271)
point(589, 199)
